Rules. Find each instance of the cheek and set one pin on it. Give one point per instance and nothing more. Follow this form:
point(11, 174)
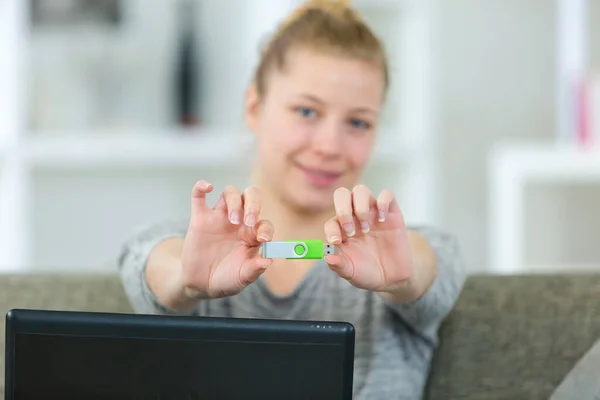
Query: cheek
point(279, 138)
point(359, 150)
point(284, 134)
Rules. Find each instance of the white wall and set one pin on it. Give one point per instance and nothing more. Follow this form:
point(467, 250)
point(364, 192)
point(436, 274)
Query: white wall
point(139, 196)
point(595, 33)
point(497, 82)
point(109, 202)
point(135, 197)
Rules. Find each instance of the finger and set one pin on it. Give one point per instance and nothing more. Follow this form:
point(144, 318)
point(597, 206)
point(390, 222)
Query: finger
point(253, 269)
point(333, 231)
point(384, 202)
point(251, 201)
point(362, 199)
point(337, 264)
point(199, 191)
point(342, 200)
point(264, 231)
point(233, 200)
point(220, 204)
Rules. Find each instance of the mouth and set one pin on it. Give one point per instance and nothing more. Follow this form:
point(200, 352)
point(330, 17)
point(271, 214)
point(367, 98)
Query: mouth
point(320, 177)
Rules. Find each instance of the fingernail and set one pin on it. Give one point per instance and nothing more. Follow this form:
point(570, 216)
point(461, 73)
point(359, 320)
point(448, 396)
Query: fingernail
point(262, 238)
point(381, 216)
point(334, 239)
point(349, 228)
point(364, 226)
point(206, 185)
point(235, 218)
point(250, 220)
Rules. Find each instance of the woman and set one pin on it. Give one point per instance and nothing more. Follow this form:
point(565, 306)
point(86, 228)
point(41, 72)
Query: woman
point(314, 107)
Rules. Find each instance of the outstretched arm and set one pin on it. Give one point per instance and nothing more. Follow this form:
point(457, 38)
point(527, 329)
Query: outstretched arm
point(149, 266)
point(432, 291)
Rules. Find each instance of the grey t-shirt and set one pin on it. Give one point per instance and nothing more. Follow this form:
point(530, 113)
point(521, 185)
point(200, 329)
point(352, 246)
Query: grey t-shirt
point(394, 342)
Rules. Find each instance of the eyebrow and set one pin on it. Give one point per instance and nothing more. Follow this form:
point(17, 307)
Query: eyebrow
point(319, 101)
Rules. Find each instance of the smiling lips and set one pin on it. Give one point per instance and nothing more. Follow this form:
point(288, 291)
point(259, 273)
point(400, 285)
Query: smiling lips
point(320, 178)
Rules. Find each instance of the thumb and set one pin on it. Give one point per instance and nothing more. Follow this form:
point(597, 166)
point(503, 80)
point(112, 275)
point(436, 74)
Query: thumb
point(201, 188)
point(340, 266)
point(252, 269)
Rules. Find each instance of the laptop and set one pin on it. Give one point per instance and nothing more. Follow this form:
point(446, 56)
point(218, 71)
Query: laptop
point(91, 355)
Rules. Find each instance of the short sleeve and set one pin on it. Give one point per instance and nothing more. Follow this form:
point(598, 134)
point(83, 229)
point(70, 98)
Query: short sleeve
point(132, 261)
point(425, 315)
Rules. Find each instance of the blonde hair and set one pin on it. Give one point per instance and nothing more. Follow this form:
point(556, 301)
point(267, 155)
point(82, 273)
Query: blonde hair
point(323, 25)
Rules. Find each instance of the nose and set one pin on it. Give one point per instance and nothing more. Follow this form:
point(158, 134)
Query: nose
point(328, 139)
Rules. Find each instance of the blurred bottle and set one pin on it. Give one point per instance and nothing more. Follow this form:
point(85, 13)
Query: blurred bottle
point(186, 71)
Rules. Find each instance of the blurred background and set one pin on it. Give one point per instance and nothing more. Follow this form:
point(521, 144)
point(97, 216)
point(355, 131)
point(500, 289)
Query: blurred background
point(112, 109)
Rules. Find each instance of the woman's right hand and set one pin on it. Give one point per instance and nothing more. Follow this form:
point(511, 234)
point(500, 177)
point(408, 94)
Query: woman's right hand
point(220, 255)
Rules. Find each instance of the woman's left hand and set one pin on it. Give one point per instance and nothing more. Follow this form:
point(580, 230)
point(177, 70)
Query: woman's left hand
point(374, 251)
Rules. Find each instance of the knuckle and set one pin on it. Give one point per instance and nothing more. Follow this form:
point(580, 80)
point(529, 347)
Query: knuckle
point(189, 282)
point(364, 193)
point(363, 217)
point(252, 197)
point(197, 186)
point(333, 230)
point(232, 197)
point(263, 229)
point(361, 188)
point(341, 191)
point(252, 190)
point(231, 189)
point(243, 278)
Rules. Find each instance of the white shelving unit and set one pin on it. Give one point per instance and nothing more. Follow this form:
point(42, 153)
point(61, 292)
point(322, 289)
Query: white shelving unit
point(124, 150)
point(12, 174)
point(69, 199)
point(514, 168)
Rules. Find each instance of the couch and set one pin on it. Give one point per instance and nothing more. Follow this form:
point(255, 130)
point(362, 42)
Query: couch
point(509, 337)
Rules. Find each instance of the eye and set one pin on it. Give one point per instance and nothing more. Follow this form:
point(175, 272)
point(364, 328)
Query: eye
point(306, 112)
point(359, 124)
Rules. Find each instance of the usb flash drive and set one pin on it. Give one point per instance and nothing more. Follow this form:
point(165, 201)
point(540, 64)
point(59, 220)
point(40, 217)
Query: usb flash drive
point(297, 249)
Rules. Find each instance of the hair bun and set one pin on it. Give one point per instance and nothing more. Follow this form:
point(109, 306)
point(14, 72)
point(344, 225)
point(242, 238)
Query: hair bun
point(327, 6)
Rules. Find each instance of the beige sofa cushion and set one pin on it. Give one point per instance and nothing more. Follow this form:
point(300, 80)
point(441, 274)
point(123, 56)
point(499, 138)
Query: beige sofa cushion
point(515, 337)
point(72, 292)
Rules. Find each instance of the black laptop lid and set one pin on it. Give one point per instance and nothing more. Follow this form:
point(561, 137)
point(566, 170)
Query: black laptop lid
point(59, 354)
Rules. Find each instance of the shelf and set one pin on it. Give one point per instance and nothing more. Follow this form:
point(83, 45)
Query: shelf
point(513, 167)
point(548, 162)
point(165, 149)
point(176, 149)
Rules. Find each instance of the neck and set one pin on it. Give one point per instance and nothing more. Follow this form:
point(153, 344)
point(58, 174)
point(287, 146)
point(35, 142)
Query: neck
point(290, 223)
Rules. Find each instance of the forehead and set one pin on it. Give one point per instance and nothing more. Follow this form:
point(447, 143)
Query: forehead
point(329, 76)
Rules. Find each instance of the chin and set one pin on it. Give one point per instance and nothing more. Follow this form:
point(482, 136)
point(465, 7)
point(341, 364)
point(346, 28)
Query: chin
point(311, 202)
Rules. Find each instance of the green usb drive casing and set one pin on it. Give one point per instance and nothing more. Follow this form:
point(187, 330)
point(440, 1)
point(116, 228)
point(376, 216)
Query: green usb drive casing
point(296, 249)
